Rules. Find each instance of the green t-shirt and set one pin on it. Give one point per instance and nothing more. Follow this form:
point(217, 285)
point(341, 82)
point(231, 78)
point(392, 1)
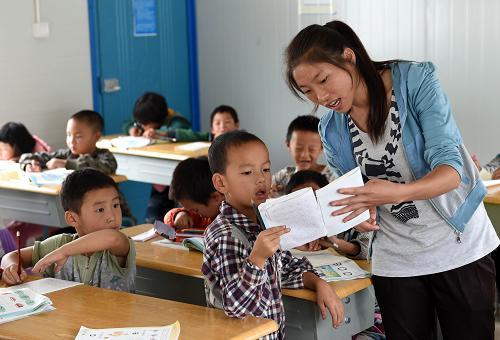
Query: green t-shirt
point(101, 269)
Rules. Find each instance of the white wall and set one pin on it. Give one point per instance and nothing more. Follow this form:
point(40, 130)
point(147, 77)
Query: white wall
point(43, 82)
point(241, 43)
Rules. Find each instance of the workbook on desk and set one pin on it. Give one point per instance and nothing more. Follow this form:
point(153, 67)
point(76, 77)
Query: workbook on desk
point(170, 332)
point(308, 213)
point(331, 267)
point(17, 303)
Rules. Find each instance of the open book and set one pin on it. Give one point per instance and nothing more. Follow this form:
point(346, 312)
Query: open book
point(308, 214)
point(19, 303)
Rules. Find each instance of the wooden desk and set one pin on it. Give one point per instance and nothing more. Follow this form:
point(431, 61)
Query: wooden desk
point(102, 308)
point(492, 205)
point(150, 164)
point(25, 202)
point(176, 275)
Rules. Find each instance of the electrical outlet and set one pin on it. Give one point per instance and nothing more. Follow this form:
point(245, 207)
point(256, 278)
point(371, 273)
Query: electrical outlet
point(41, 30)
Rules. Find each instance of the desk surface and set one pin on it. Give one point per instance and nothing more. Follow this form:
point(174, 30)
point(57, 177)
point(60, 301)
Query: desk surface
point(189, 263)
point(103, 308)
point(161, 149)
point(493, 196)
point(9, 179)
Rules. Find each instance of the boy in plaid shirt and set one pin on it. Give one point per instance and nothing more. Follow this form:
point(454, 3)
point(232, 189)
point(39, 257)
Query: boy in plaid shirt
point(243, 265)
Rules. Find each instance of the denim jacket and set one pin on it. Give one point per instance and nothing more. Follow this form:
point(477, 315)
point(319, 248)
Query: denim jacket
point(430, 138)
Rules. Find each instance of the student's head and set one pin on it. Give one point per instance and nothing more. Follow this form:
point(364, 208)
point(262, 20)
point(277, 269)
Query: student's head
point(192, 187)
point(224, 119)
point(241, 168)
point(15, 140)
point(83, 130)
point(330, 66)
point(303, 141)
point(306, 179)
point(90, 201)
point(150, 110)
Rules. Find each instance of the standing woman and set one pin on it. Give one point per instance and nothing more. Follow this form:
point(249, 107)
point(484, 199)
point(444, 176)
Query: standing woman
point(431, 255)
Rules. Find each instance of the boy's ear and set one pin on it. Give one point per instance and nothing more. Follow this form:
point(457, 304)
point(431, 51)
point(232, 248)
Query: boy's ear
point(98, 135)
point(287, 144)
point(71, 218)
point(219, 183)
point(237, 125)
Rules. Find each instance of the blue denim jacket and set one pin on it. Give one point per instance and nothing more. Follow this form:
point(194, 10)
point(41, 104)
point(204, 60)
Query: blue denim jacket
point(430, 138)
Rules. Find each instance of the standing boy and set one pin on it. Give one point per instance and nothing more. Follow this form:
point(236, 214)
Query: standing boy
point(243, 266)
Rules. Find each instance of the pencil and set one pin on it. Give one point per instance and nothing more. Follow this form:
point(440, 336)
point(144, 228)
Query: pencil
point(18, 236)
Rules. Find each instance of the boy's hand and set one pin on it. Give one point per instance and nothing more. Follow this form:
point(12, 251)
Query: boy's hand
point(496, 174)
point(55, 163)
point(134, 131)
point(57, 256)
point(34, 166)
point(183, 220)
point(327, 299)
point(149, 133)
point(311, 246)
point(266, 244)
point(10, 276)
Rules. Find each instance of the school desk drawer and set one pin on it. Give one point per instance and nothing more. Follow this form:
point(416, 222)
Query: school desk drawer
point(303, 318)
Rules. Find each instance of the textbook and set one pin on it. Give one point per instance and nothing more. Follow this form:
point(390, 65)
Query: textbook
point(169, 332)
point(17, 303)
point(331, 267)
point(308, 213)
point(196, 243)
point(47, 177)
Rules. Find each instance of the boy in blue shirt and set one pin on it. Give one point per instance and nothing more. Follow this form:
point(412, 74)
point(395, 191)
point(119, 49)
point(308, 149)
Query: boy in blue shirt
point(98, 255)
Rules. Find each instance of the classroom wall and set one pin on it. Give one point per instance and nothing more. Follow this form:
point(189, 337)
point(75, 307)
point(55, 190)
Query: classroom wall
point(43, 82)
point(240, 46)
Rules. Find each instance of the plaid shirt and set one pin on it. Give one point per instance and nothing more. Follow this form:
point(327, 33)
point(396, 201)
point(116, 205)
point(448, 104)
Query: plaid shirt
point(247, 289)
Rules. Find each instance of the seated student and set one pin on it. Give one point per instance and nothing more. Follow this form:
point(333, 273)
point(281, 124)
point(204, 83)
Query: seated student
point(192, 187)
point(151, 114)
point(224, 118)
point(490, 170)
point(83, 130)
point(99, 254)
point(15, 139)
point(243, 265)
point(351, 243)
point(304, 144)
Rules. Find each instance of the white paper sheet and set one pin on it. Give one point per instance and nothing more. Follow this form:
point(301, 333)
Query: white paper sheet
point(299, 212)
point(44, 286)
point(145, 236)
point(196, 146)
point(126, 142)
point(325, 195)
point(491, 182)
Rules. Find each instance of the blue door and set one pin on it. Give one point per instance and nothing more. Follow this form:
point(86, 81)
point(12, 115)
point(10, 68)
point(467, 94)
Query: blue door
point(139, 46)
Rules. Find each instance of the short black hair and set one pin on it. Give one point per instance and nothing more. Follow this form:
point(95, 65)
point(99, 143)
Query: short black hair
point(18, 137)
point(305, 176)
point(92, 118)
point(224, 108)
point(192, 179)
point(80, 182)
point(302, 123)
point(149, 108)
point(217, 153)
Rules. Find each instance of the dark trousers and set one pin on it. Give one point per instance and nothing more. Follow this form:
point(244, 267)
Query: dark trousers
point(463, 299)
point(158, 205)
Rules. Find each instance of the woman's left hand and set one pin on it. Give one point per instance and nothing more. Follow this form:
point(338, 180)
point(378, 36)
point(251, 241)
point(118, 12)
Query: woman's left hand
point(374, 193)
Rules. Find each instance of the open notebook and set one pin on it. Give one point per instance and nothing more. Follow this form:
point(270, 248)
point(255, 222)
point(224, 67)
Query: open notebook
point(170, 332)
point(308, 214)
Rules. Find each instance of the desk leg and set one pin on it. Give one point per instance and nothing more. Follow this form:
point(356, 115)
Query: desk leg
point(170, 286)
point(303, 319)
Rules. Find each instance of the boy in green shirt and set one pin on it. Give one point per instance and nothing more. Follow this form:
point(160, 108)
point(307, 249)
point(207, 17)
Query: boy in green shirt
point(99, 255)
